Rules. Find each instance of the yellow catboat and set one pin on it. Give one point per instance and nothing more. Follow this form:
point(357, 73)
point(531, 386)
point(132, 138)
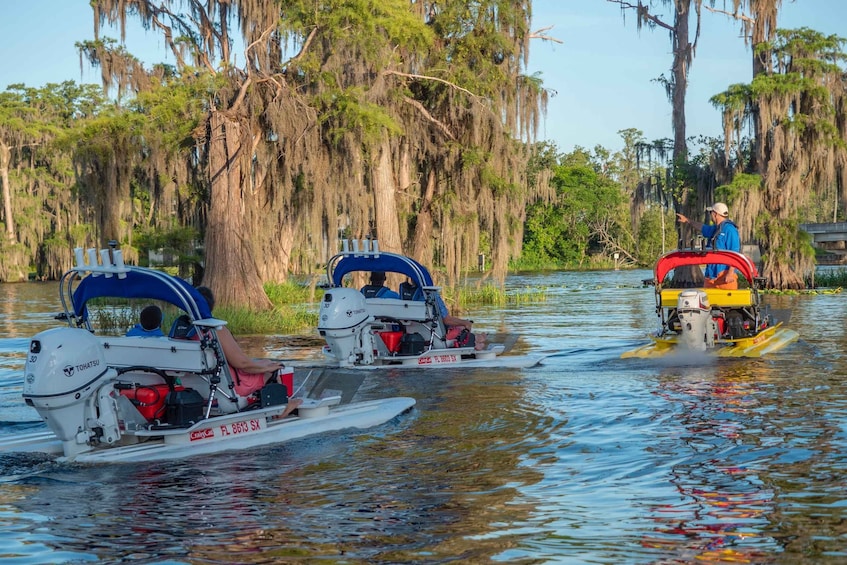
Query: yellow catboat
point(726, 323)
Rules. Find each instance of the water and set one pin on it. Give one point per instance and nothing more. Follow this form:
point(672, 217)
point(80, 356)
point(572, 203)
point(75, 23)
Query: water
point(584, 459)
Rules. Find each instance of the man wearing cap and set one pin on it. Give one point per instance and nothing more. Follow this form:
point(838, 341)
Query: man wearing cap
point(722, 234)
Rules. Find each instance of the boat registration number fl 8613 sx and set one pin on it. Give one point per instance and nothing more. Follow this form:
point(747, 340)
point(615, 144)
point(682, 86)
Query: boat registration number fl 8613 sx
point(230, 429)
point(436, 359)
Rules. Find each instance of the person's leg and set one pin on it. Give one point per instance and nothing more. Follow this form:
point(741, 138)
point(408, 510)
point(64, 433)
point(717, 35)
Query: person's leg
point(293, 404)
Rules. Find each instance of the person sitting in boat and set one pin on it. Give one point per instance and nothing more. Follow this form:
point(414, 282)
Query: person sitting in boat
point(458, 329)
point(250, 374)
point(722, 235)
point(150, 322)
point(377, 288)
point(410, 291)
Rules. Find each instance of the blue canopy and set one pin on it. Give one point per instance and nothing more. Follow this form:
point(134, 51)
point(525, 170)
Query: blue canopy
point(141, 283)
point(386, 262)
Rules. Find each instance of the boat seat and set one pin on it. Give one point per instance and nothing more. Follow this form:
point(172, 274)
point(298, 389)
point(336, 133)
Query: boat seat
point(739, 298)
point(408, 291)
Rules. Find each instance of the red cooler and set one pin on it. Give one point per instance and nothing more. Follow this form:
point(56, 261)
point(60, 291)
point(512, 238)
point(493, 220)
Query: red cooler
point(286, 377)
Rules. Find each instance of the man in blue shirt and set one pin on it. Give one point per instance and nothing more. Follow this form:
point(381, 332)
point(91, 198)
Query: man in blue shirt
point(723, 235)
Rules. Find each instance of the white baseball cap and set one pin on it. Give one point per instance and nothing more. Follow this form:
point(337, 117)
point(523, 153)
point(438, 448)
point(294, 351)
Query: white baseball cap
point(719, 208)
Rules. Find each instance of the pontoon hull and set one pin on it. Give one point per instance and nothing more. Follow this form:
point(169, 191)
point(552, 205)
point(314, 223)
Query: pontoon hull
point(238, 431)
point(440, 358)
point(768, 341)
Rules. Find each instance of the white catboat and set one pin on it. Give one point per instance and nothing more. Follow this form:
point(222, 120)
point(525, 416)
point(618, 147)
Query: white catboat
point(405, 332)
point(117, 398)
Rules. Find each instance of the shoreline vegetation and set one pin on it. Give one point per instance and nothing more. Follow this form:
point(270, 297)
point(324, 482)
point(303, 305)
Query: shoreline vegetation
point(295, 305)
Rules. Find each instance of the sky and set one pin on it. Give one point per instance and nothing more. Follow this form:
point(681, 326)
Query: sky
point(600, 77)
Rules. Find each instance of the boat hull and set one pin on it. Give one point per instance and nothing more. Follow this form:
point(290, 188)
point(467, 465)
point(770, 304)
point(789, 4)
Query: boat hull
point(768, 341)
point(435, 358)
point(243, 430)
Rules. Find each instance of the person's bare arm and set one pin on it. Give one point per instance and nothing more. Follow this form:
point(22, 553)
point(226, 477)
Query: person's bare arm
point(454, 321)
point(694, 224)
point(236, 357)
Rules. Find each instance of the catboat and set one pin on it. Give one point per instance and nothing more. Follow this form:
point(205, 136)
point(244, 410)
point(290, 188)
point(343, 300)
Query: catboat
point(117, 398)
point(405, 332)
point(727, 323)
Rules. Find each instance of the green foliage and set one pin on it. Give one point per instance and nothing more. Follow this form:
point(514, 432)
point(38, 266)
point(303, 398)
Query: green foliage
point(831, 279)
point(486, 294)
point(288, 293)
point(654, 236)
point(181, 241)
point(733, 99)
point(113, 319)
point(741, 183)
point(293, 312)
point(491, 295)
point(478, 46)
point(374, 22)
point(280, 320)
point(348, 111)
point(560, 233)
point(174, 109)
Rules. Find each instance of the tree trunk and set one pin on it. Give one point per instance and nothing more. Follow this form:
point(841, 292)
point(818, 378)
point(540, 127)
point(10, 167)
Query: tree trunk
point(422, 247)
point(5, 161)
point(385, 201)
point(681, 61)
point(231, 270)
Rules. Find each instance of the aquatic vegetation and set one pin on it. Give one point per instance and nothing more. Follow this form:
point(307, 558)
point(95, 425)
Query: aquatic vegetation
point(490, 294)
point(283, 319)
point(831, 279)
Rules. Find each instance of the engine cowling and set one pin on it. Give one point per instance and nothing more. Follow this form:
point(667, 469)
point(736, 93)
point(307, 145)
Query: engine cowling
point(343, 323)
point(698, 329)
point(67, 381)
point(63, 365)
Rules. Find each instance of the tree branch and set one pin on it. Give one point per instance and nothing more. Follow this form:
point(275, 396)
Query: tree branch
point(443, 127)
point(733, 15)
point(305, 46)
point(539, 34)
point(242, 92)
point(436, 79)
point(643, 13)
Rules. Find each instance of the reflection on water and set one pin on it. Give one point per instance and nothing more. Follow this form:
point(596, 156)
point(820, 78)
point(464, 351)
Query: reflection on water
point(586, 458)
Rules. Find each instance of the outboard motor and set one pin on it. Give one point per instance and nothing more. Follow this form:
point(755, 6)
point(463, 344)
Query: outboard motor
point(67, 381)
point(344, 323)
point(698, 329)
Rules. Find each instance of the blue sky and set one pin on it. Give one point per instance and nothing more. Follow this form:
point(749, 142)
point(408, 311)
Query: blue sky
point(602, 72)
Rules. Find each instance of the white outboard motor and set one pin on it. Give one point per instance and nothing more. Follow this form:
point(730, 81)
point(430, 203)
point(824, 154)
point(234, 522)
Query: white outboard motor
point(344, 323)
point(67, 381)
point(698, 329)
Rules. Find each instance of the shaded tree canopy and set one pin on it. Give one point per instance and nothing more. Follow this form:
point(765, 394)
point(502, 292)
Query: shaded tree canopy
point(395, 119)
point(796, 109)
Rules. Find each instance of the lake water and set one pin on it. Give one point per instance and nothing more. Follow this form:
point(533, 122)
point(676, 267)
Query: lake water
point(586, 458)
